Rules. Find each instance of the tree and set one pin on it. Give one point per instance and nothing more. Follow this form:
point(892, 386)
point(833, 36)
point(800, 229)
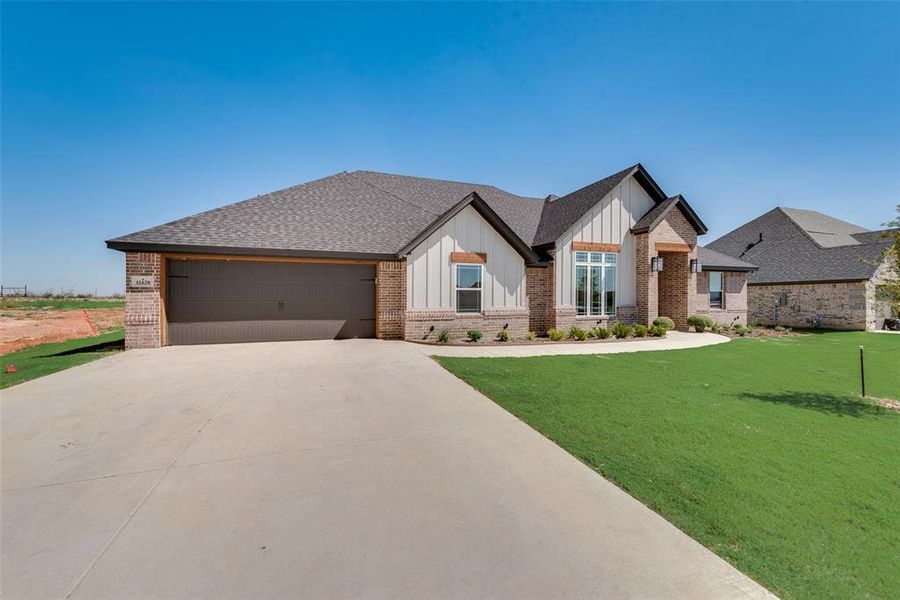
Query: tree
point(889, 290)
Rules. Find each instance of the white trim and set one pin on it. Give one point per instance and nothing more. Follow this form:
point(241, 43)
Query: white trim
point(456, 288)
point(602, 265)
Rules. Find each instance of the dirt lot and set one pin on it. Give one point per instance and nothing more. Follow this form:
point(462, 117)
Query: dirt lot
point(23, 328)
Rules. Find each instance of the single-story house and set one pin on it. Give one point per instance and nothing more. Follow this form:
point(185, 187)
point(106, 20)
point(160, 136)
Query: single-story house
point(814, 270)
point(367, 254)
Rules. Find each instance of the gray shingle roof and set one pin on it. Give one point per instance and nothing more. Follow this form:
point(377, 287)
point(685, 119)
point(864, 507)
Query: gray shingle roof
point(560, 214)
point(656, 214)
point(786, 252)
point(370, 213)
point(356, 213)
point(716, 261)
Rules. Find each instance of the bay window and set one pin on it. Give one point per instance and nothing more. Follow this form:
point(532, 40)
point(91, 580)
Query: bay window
point(595, 283)
point(716, 289)
point(468, 288)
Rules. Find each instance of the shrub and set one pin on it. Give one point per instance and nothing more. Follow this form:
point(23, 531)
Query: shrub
point(503, 336)
point(443, 337)
point(556, 334)
point(739, 329)
point(700, 322)
point(621, 330)
point(530, 335)
point(599, 332)
point(640, 330)
point(664, 322)
point(577, 333)
point(657, 331)
point(474, 335)
point(779, 328)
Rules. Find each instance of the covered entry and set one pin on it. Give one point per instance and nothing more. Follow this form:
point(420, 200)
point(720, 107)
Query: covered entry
point(219, 301)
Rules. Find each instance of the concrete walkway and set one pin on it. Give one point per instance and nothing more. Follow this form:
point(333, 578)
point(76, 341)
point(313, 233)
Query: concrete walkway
point(674, 340)
point(356, 469)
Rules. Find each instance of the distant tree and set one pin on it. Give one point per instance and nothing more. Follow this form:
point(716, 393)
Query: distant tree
point(889, 291)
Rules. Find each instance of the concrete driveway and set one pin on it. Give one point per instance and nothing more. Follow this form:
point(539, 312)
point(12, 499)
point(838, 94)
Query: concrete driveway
point(312, 470)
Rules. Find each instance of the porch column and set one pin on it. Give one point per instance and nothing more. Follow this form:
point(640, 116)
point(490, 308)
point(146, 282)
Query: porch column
point(646, 281)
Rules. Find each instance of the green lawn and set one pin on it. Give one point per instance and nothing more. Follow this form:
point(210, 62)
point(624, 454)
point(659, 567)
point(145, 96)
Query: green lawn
point(45, 359)
point(61, 303)
point(761, 449)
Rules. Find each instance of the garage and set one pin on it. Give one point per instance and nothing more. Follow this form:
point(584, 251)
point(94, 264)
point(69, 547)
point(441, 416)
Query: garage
point(221, 301)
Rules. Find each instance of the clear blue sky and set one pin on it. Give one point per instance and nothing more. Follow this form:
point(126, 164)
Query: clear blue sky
point(117, 117)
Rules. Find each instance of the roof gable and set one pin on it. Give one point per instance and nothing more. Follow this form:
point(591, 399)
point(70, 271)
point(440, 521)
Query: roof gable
point(656, 215)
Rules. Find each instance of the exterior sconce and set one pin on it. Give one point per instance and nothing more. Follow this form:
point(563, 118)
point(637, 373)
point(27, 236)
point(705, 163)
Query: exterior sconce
point(656, 264)
point(696, 267)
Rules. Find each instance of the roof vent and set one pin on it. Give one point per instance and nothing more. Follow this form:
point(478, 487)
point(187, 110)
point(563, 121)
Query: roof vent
point(551, 198)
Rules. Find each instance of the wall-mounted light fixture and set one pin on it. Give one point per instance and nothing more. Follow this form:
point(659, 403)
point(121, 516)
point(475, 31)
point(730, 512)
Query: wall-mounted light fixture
point(656, 264)
point(696, 266)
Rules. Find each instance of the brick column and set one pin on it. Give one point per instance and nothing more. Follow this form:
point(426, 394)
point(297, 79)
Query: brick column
point(646, 281)
point(142, 300)
point(390, 302)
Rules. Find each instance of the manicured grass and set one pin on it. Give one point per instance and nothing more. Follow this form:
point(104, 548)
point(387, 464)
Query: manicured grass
point(61, 303)
point(45, 359)
point(761, 449)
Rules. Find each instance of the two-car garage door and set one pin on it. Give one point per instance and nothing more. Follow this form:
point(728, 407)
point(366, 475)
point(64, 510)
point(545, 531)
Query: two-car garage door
point(217, 301)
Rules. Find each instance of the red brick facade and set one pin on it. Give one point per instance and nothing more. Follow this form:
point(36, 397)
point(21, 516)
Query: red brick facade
point(142, 302)
point(390, 302)
point(425, 325)
point(539, 290)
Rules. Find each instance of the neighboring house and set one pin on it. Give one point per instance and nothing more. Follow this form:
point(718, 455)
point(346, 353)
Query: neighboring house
point(366, 254)
point(814, 270)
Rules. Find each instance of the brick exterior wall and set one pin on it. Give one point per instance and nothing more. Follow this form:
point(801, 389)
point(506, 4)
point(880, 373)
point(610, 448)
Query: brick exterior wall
point(838, 305)
point(419, 323)
point(673, 290)
point(539, 290)
point(142, 304)
point(735, 310)
point(390, 301)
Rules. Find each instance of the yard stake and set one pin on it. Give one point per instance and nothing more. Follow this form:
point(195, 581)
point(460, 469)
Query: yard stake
point(862, 371)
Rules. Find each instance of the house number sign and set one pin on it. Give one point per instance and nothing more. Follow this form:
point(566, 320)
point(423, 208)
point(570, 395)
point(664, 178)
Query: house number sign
point(141, 281)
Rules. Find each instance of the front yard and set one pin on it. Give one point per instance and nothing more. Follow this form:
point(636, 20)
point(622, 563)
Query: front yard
point(761, 449)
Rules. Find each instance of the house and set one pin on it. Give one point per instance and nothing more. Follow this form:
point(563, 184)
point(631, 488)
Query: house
point(367, 254)
point(814, 270)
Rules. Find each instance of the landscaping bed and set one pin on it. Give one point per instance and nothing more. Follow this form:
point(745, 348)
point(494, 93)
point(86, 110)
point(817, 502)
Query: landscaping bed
point(761, 449)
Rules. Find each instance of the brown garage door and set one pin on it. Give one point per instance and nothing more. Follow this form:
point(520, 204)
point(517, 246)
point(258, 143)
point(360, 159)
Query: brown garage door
point(218, 301)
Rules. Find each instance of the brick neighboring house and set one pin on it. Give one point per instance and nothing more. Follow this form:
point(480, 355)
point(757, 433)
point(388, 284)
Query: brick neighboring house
point(813, 269)
point(367, 254)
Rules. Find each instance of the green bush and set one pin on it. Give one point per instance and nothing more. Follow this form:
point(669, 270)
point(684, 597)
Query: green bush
point(443, 337)
point(556, 334)
point(474, 335)
point(577, 333)
point(640, 330)
point(503, 336)
point(621, 330)
point(530, 335)
point(599, 332)
point(700, 322)
point(739, 329)
point(664, 322)
point(657, 331)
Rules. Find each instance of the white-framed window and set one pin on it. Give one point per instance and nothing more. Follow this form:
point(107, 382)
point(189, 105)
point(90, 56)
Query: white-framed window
point(469, 289)
point(716, 289)
point(595, 283)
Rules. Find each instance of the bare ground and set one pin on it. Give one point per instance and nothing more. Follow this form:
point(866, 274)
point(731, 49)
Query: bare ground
point(23, 328)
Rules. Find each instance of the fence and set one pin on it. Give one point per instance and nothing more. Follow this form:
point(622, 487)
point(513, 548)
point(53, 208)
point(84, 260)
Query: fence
point(11, 290)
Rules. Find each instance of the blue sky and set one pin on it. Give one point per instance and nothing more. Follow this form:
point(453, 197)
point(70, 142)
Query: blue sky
point(117, 117)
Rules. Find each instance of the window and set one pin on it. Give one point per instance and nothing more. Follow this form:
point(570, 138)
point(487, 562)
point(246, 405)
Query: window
point(595, 283)
point(716, 289)
point(468, 288)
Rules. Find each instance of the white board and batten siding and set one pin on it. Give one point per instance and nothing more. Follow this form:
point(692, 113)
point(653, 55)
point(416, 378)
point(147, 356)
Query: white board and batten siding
point(608, 222)
point(431, 277)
